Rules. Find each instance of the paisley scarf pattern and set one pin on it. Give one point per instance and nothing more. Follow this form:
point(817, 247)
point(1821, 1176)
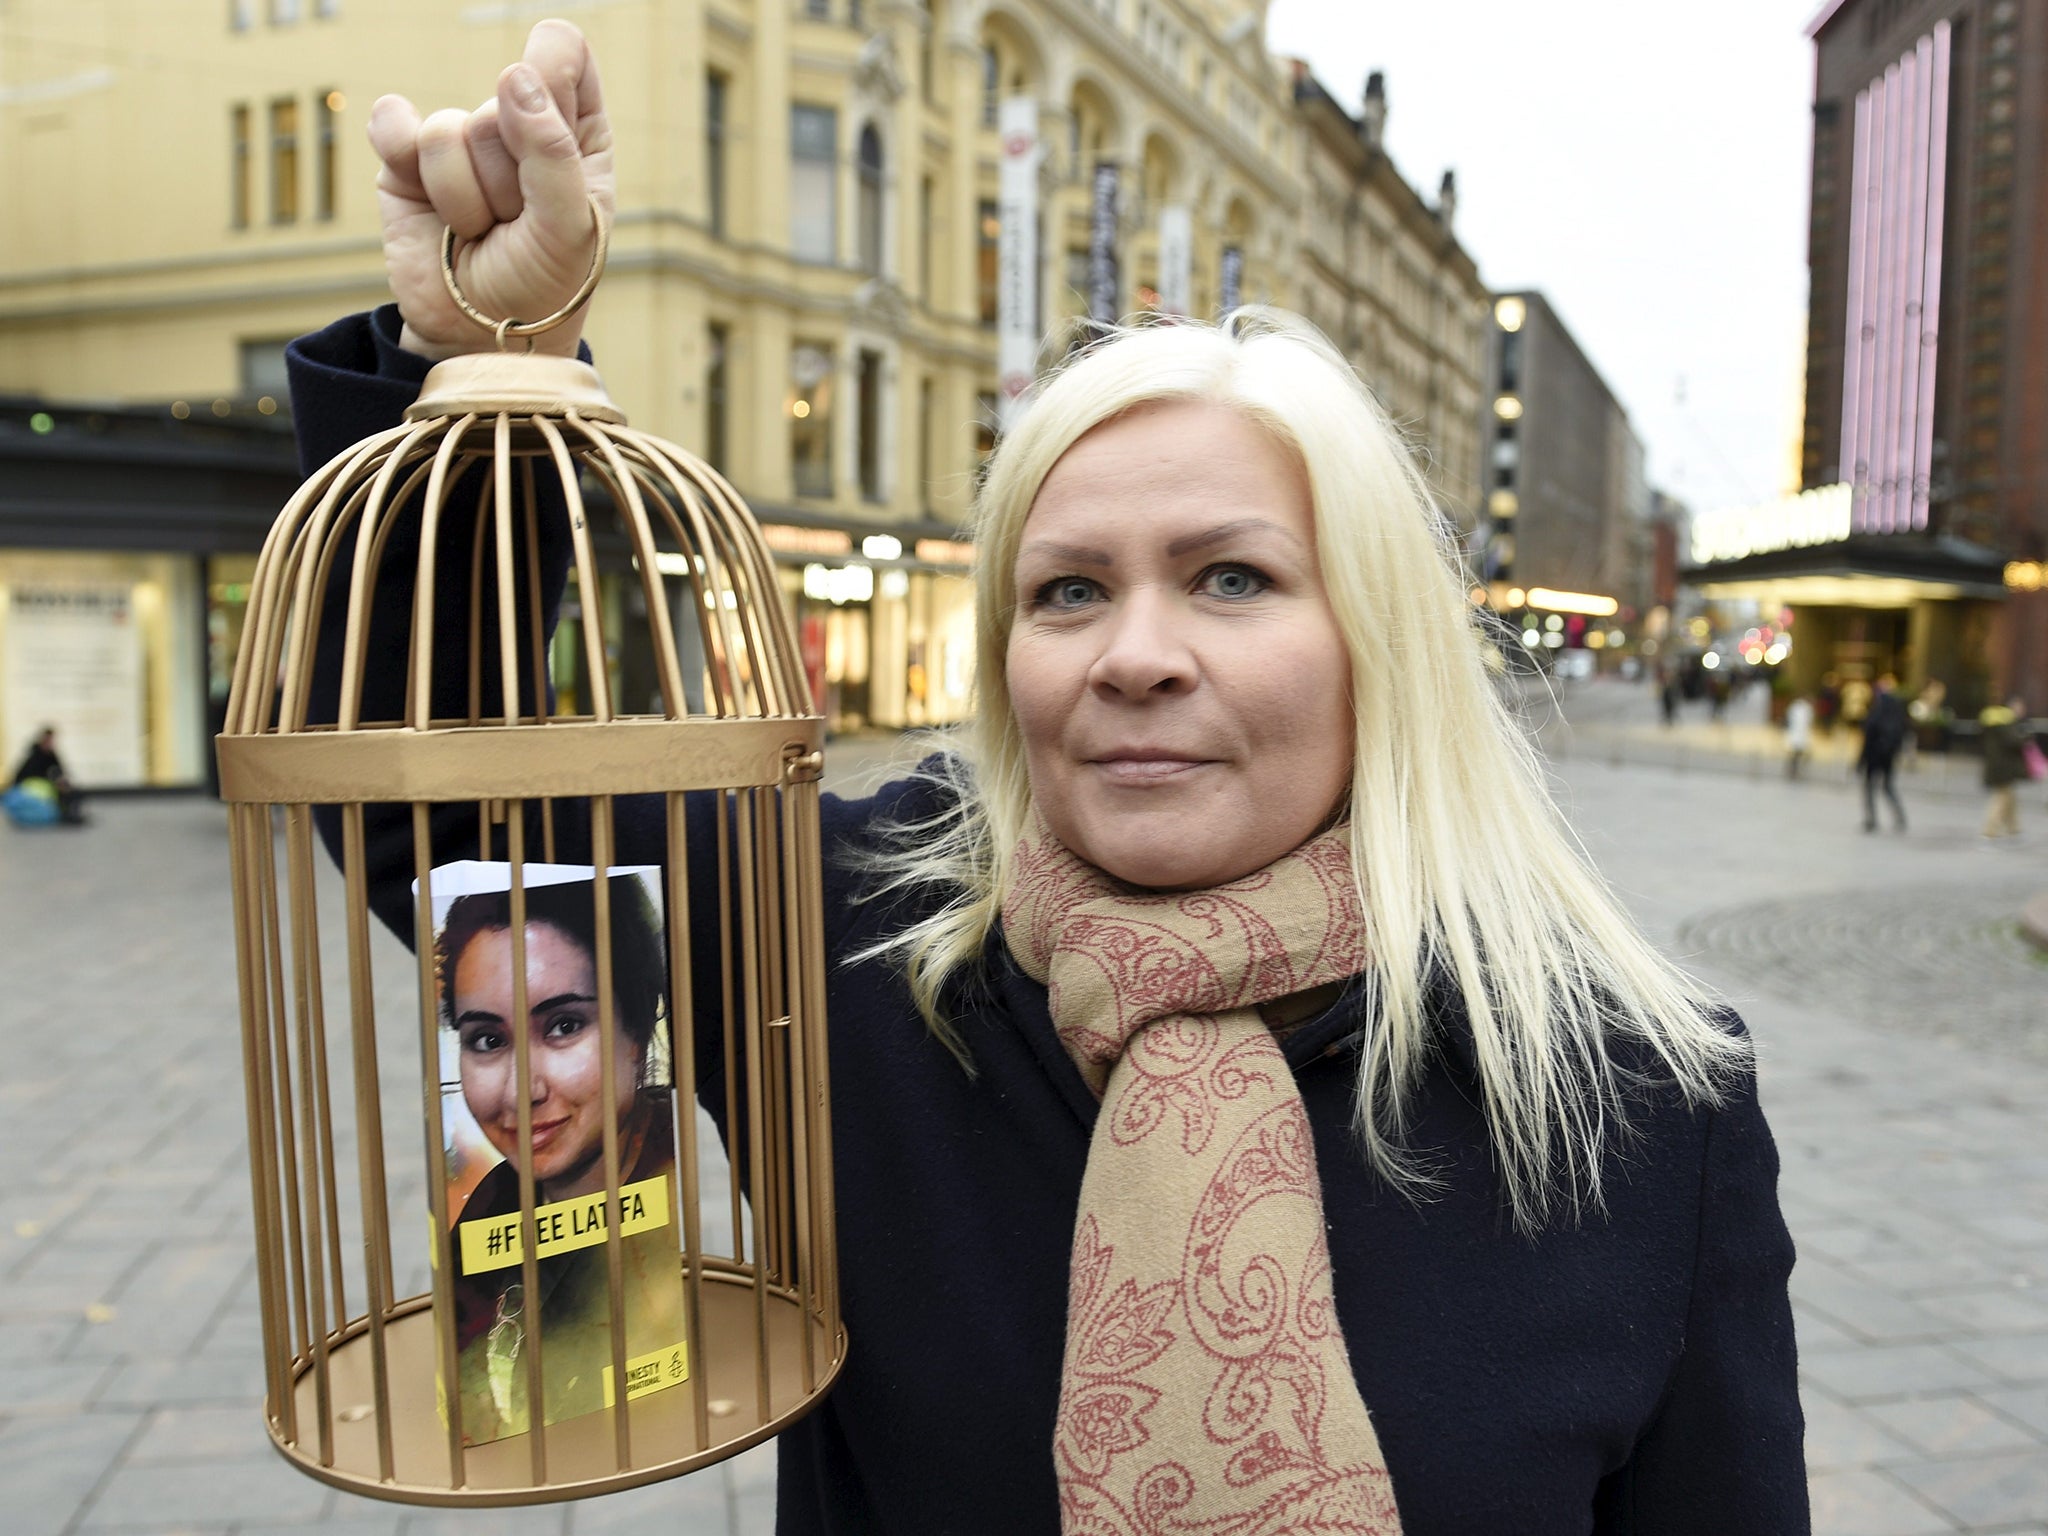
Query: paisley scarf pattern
point(1205, 1384)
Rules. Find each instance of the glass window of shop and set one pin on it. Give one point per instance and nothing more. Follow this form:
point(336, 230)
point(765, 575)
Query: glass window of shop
point(106, 649)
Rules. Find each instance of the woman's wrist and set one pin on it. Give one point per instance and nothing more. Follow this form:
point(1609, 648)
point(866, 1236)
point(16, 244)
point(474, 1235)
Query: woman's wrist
point(562, 341)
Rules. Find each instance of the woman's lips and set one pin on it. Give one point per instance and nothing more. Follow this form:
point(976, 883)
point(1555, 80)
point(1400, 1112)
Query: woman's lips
point(545, 1131)
point(1146, 770)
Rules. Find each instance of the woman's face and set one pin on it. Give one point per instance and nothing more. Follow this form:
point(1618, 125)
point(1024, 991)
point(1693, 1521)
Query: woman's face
point(568, 1072)
point(1176, 671)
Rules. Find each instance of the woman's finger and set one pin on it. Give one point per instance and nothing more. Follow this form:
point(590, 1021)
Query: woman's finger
point(449, 177)
point(550, 165)
point(496, 172)
point(394, 131)
point(558, 53)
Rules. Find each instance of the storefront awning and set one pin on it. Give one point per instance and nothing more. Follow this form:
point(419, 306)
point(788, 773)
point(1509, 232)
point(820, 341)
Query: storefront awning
point(1861, 571)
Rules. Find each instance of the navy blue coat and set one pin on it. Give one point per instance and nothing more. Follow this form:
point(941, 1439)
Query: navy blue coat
point(1631, 1373)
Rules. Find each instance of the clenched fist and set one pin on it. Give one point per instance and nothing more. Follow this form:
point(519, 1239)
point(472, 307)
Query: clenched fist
point(515, 179)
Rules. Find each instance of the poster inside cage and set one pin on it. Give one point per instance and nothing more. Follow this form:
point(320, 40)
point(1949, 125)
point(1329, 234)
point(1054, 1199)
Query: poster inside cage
point(497, 1323)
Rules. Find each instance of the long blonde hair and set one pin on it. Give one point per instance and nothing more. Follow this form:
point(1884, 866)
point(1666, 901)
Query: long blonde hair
point(1464, 865)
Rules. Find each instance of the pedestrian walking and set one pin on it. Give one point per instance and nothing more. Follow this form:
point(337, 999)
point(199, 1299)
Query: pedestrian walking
point(1884, 736)
point(1370, 1073)
point(2005, 764)
point(1827, 703)
point(1798, 735)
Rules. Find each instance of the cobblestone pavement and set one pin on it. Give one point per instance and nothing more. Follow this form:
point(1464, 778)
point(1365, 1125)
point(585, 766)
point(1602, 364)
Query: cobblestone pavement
point(1899, 1025)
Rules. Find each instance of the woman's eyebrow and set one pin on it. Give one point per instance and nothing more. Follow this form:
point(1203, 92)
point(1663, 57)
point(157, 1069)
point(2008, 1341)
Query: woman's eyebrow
point(558, 1000)
point(1066, 554)
point(476, 1016)
point(1223, 532)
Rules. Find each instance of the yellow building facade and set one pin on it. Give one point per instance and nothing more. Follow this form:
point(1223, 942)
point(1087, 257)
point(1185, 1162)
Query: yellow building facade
point(802, 284)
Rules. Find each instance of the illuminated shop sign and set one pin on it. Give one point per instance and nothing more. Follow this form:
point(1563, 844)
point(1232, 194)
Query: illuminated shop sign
point(1818, 516)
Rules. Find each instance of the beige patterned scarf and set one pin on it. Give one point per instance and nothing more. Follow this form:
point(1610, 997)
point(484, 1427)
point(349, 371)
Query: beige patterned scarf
point(1206, 1385)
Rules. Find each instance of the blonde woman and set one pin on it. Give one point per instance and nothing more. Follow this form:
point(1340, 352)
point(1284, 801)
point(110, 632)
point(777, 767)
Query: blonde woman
point(1250, 1113)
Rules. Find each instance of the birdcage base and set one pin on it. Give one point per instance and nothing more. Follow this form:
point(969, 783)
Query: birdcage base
point(582, 1453)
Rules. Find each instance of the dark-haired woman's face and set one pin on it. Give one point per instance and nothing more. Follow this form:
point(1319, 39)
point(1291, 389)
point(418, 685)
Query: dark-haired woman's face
point(568, 1069)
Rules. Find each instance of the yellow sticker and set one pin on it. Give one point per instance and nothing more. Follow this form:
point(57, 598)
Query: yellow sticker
point(651, 1372)
point(563, 1227)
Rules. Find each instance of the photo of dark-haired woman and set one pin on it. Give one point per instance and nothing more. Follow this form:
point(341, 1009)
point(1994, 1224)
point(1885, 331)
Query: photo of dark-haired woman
point(569, 1099)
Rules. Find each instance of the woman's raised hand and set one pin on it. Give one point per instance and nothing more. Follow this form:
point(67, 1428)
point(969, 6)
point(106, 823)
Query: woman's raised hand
point(514, 179)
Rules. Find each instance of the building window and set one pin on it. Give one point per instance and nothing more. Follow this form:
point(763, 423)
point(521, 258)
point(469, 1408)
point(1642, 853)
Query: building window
point(263, 374)
point(283, 13)
point(818, 10)
point(927, 195)
point(870, 166)
point(714, 151)
point(869, 426)
point(239, 158)
point(927, 440)
point(810, 412)
point(241, 15)
point(718, 346)
point(326, 10)
point(284, 160)
point(854, 16)
point(1510, 361)
point(327, 107)
point(813, 177)
point(988, 230)
point(991, 84)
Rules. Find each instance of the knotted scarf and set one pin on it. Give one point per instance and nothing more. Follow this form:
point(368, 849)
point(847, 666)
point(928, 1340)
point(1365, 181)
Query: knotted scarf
point(1205, 1384)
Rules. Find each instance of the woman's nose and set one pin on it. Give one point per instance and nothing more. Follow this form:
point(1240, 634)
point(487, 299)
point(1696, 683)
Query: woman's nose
point(1144, 650)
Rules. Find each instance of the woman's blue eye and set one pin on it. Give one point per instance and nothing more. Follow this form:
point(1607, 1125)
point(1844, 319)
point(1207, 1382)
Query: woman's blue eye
point(1067, 592)
point(1234, 581)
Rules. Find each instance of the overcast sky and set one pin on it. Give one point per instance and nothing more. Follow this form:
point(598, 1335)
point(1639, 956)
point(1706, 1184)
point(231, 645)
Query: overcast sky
point(1644, 164)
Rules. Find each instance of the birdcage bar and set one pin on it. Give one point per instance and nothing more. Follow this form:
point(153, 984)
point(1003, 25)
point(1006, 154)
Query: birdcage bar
point(442, 1270)
point(378, 1277)
point(279, 1104)
point(327, 1298)
point(825, 1200)
point(257, 1089)
point(793, 1041)
point(531, 1341)
point(682, 1022)
point(615, 1280)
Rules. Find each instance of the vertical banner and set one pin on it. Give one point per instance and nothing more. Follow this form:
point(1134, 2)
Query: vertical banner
point(1231, 288)
point(1176, 258)
point(74, 661)
point(1017, 254)
point(1102, 244)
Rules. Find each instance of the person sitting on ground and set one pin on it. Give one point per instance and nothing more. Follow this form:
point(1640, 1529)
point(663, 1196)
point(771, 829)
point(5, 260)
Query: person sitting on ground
point(41, 763)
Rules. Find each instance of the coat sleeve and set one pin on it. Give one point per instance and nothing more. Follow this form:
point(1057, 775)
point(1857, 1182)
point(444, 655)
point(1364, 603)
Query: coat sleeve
point(1725, 1454)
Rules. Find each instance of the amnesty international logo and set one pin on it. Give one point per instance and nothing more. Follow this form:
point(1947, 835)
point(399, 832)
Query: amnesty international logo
point(563, 1227)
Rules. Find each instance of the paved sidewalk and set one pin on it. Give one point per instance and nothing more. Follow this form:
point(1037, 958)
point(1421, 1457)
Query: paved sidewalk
point(1901, 1026)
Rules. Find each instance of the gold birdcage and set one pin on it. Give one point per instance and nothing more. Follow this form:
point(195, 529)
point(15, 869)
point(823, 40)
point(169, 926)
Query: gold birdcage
point(368, 1387)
